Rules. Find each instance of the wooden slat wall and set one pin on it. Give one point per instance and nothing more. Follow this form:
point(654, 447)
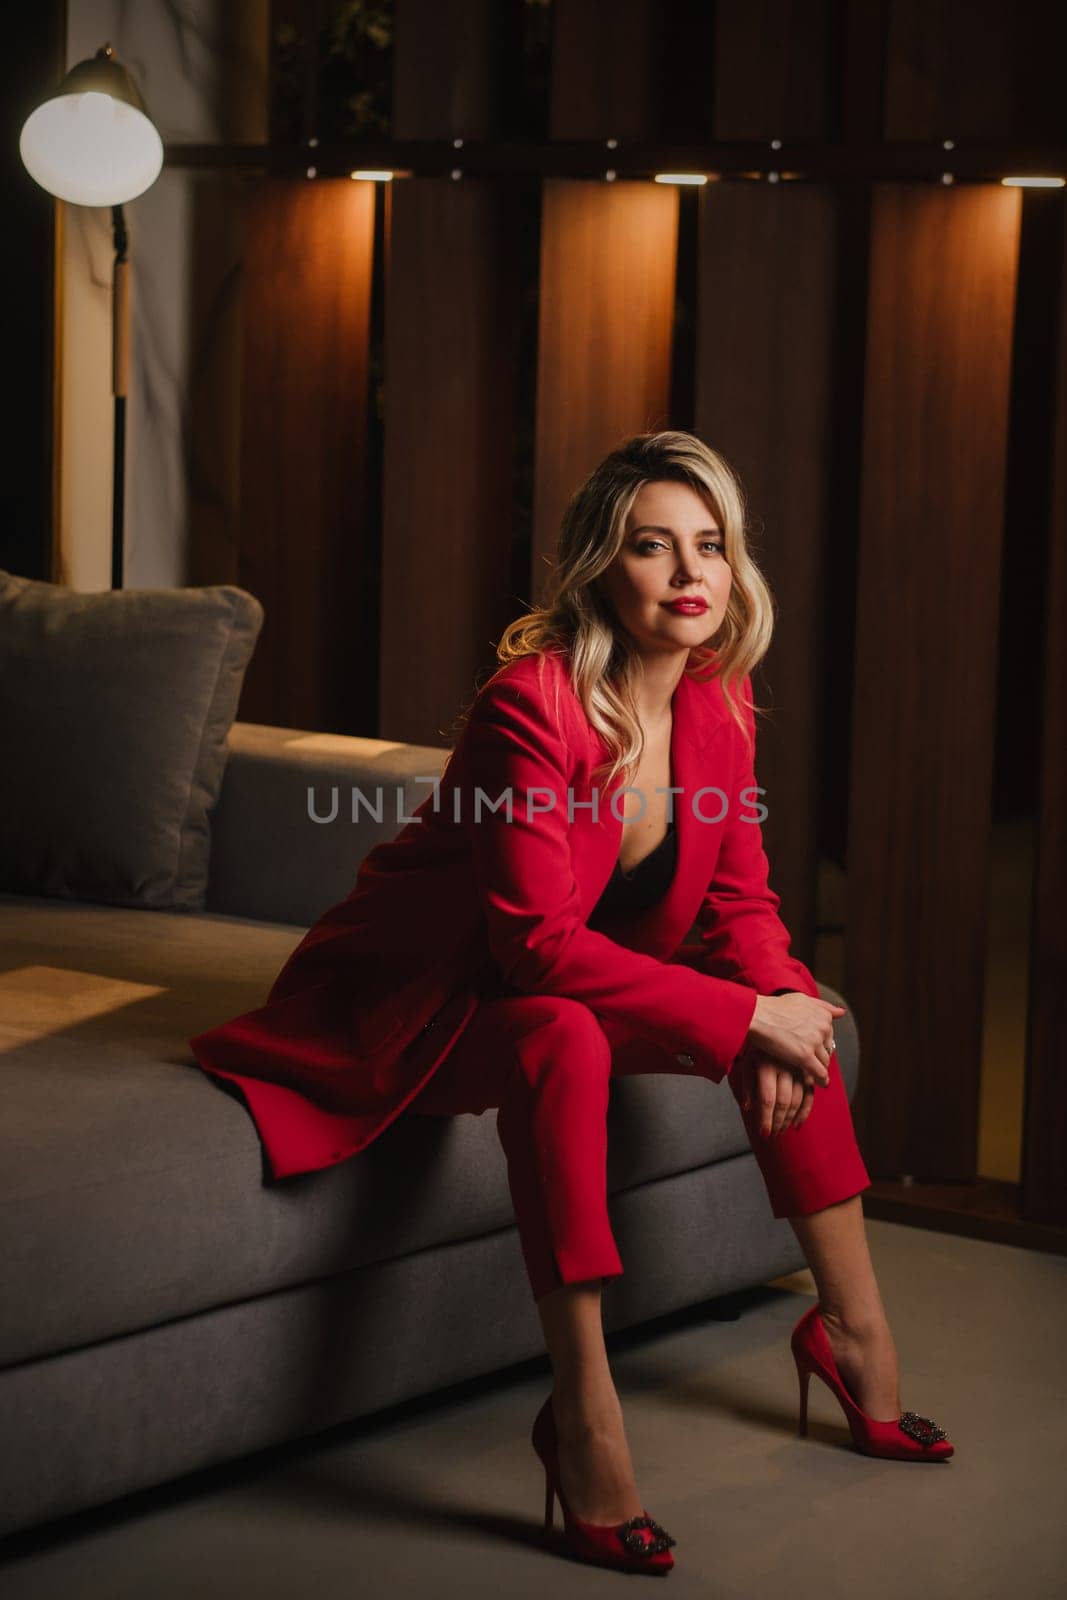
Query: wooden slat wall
point(219, 203)
point(608, 254)
point(605, 56)
point(444, 68)
point(452, 320)
point(451, 327)
point(607, 298)
point(767, 298)
point(303, 429)
point(974, 69)
point(942, 286)
point(1044, 1197)
point(216, 402)
point(772, 69)
point(860, 87)
point(768, 288)
point(947, 77)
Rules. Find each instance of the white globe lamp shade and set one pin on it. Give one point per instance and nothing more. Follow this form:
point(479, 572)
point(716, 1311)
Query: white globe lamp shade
point(93, 142)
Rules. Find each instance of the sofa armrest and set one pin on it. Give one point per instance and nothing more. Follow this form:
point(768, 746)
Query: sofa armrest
point(270, 859)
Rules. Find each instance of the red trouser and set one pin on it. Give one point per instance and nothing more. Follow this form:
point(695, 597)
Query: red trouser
point(546, 1061)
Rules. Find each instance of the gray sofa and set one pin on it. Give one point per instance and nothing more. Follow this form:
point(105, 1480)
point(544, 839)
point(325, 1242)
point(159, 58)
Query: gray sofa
point(163, 1308)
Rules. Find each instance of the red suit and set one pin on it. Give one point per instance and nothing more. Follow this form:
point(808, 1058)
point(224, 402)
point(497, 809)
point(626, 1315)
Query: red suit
point(462, 956)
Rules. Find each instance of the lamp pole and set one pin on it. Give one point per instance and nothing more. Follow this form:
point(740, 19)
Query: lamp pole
point(120, 383)
point(91, 142)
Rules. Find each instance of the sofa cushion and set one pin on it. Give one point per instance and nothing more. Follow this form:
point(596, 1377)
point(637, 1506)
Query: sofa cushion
point(132, 1185)
point(298, 813)
point(114, 712)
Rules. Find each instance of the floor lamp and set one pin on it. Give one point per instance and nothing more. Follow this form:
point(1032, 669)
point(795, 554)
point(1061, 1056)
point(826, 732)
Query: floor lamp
point(92, 143)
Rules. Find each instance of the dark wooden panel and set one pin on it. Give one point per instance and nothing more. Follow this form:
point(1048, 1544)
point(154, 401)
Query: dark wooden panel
point(942, 286)
point(771, 69)
point(858, 89)
point(947, 71)
point(303, 398)
point(451, 332)
point(1039, 50)
point(608, 257)
point(768, 291)
point(444, 69)
point(604, 68)
point(217, 252)
point(975, 69)
point(607, 298)
point(1045, 1123)
point(217, 204)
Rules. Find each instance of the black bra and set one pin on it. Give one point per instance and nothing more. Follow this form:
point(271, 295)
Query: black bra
point(647, 883)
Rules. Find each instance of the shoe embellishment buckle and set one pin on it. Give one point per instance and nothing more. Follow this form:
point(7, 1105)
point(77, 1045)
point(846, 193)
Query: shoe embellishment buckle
point(630, 1536)
point(924, 1429)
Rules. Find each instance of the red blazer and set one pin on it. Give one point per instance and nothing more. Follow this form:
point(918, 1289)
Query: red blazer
point(379, 989)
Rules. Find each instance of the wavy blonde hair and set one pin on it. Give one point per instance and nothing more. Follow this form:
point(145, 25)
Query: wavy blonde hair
point(604, 663)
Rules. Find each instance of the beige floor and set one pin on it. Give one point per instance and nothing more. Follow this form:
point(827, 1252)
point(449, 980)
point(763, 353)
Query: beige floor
point(444, 1498)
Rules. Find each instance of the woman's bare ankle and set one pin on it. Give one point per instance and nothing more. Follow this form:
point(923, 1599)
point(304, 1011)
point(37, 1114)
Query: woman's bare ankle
point(866, 1322)
point(595, 1463)
point(584, 1406)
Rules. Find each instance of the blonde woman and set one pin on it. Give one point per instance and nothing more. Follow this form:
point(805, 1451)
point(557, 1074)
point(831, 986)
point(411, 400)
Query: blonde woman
point(521, 942)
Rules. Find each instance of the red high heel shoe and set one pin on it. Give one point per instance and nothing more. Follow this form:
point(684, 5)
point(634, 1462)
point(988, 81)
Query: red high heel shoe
point(909, 1438)
point(638, 1545)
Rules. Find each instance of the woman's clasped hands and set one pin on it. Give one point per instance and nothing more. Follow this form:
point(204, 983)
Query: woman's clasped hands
point(785, 1057)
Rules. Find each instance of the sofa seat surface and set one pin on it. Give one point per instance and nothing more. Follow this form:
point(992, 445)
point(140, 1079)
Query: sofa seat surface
point(132, 1185)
